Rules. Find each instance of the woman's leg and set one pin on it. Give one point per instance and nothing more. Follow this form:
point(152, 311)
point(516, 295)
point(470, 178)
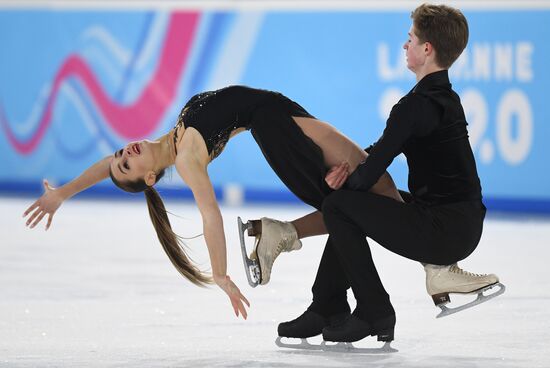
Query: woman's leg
point(296, 159)
point(336, 149)
point(299, 163)
point(311, 224)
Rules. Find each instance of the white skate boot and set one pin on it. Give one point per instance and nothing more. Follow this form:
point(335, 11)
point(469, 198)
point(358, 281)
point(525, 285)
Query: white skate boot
point(271, 238)
point(444, 280)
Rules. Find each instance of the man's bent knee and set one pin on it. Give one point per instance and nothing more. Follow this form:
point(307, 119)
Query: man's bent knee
point(332, 203)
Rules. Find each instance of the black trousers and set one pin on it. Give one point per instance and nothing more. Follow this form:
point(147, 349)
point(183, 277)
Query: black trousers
point(438, 234)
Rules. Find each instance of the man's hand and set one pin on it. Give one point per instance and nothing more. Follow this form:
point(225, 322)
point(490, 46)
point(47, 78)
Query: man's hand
point(337, 175)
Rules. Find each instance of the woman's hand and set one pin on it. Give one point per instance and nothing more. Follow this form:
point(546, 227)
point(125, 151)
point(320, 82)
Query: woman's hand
point(237, 299)
point(337, 175)
point(47, 204)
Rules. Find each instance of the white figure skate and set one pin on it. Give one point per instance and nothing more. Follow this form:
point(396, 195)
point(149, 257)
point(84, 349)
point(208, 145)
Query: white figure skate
point(271, 238)
point(444, 280)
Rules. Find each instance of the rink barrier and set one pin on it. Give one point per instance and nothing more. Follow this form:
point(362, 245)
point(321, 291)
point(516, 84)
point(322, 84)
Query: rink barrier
point(227, 196)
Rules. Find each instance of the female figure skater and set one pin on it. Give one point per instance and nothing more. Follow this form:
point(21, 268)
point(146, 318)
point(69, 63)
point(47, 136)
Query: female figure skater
point(297, 146)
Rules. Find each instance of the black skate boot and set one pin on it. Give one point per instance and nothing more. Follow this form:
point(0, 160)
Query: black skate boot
point(309, 324)
point(355, 329)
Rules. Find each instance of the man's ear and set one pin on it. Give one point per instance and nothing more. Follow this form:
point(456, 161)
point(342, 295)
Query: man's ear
point(150, 178)
point(428, 49)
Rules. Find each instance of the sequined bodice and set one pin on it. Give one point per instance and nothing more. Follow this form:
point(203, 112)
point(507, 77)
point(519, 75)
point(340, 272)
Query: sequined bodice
point(216, 114)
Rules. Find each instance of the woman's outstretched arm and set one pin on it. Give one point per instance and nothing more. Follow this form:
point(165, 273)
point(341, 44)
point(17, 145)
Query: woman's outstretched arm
point(195, 175)
point(52, 198)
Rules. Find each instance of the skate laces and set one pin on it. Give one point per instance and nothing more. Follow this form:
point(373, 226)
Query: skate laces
point(284, 244)
point(455, 269)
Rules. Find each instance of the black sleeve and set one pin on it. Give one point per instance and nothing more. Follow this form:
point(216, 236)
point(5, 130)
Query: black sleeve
point(369, 148)
point(399, 128)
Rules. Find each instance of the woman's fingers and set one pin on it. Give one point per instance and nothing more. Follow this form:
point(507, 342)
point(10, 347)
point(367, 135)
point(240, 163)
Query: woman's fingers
point(33, 216)
point(32, 207)
point(50, 217)
point(38, 219)
point(243, 311)
point(235, 307)
point(237, 299)
point(244, 299)
point(235, 296)
point(241, 308)
point(238, 307)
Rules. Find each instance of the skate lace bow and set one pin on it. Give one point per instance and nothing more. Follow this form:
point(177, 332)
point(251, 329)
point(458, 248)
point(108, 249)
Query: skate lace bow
point(456, 269)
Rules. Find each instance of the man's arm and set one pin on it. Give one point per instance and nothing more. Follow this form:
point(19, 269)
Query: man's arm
point(399, 128)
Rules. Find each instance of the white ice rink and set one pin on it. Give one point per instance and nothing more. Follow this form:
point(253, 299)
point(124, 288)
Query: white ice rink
point(96, 290)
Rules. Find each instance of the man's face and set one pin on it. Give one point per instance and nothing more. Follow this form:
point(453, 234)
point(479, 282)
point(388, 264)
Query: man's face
point(415, 51)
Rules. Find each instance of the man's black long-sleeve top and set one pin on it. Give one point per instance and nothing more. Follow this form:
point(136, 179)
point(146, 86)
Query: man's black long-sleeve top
point(428, 125)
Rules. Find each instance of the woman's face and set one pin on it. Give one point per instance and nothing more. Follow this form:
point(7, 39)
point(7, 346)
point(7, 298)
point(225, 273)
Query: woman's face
point(415, 51)
point(133, 162)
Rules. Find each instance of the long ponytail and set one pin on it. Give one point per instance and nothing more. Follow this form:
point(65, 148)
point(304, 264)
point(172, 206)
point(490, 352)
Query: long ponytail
point(171, 242)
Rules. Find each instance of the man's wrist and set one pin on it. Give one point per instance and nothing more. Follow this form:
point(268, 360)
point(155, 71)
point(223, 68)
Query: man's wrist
point(354, 179)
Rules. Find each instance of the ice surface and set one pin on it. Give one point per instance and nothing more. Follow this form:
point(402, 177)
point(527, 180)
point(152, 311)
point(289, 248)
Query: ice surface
point(96, 290)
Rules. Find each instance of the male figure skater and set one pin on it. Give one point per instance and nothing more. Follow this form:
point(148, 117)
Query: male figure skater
point(440, 224)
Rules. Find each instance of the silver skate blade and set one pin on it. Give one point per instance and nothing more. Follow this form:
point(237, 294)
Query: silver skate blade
point(348, 347)
point(340, 347)
point(303, 345)
point(251, 267)
point(481, 298)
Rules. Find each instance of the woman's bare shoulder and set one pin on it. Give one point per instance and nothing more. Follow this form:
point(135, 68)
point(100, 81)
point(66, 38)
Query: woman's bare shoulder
point(191, 150)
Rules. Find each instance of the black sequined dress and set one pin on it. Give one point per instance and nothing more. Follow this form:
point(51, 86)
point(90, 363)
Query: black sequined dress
point(216, 114)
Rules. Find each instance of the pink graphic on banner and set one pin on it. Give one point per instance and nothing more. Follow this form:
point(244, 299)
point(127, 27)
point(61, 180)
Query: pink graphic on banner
point(135, 120)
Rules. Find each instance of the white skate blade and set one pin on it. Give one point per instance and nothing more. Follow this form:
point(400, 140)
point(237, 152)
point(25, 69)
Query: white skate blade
point(481, 298)
point(340, 347)
point(251, 267)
